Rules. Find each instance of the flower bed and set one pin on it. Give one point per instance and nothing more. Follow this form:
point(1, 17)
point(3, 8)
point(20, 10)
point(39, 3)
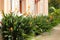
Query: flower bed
point(22, 28)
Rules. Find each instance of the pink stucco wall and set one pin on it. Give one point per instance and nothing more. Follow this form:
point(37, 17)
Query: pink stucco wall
point(1, 4)
point(41, 7)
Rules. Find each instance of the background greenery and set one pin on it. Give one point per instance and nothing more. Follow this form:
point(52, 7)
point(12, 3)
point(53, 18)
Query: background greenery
point(54, 3)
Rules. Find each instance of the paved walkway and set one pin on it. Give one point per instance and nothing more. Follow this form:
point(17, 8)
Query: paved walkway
point(53, 35)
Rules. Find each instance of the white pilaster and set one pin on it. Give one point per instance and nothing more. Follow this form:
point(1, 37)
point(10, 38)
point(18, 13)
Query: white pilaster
point(7, 6)
point(15, 5)
point(45, 7)
point(26, 5)
point(31, 4)
point(23, 6)
point(40, 7)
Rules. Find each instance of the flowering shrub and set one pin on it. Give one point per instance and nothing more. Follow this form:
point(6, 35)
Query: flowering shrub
point(21, 28)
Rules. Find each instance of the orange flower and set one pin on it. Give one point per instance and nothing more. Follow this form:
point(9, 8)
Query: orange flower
point(16, 10)
point(11, 29)
point(29, 7)
point(51, 17)
point(25, 14)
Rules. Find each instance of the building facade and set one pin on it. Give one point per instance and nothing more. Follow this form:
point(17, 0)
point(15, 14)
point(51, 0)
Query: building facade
point(37, 7)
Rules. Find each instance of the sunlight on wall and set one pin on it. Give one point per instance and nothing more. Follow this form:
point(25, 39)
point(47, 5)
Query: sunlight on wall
point(15, 5)
point(1, 4)
point(7, 6)
point(41, 8)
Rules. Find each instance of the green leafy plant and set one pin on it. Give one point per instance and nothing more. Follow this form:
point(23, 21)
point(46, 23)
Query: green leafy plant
point(22, 28)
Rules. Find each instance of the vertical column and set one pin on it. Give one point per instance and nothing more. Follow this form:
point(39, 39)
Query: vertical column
point(26, 5)
point(40, 7)
point(1, 4)
point(45, 7)
point(7, 6)
point(23, 6)
point(36, 8)
point(15, 5)
point(37, 4)
point(31, 4)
